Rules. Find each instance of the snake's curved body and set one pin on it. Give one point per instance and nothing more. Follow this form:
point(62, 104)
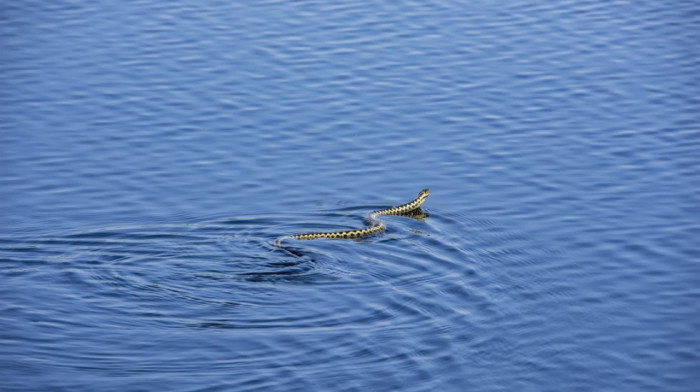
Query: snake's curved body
point(376, 226)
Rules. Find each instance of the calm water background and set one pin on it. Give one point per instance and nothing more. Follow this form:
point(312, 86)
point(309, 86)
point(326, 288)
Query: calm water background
point(151, 152)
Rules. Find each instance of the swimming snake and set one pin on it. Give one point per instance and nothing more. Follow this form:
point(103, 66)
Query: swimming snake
point(376, 226)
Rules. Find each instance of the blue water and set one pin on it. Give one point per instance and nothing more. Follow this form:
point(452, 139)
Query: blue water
point(152, 152)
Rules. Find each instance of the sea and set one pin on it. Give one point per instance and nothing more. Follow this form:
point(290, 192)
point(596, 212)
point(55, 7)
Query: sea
point(152, 153)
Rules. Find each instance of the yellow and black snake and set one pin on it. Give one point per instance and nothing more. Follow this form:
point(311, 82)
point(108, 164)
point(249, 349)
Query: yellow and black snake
point(375, 225)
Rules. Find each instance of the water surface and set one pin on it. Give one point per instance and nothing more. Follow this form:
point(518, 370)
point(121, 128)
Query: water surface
point(150, 155)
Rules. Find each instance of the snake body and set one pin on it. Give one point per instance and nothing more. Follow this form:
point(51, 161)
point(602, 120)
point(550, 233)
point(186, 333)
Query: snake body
point(376, 226)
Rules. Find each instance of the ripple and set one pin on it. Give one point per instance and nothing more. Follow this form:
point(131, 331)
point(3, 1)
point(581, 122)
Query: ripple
point(179, 275)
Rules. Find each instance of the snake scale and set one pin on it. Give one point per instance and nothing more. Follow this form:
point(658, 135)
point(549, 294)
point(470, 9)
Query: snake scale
point(375, 226)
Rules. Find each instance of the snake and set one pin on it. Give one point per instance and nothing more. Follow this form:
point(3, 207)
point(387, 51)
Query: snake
point(375, 225)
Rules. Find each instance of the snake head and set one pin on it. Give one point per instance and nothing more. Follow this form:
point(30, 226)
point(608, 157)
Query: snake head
point(424, 194)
